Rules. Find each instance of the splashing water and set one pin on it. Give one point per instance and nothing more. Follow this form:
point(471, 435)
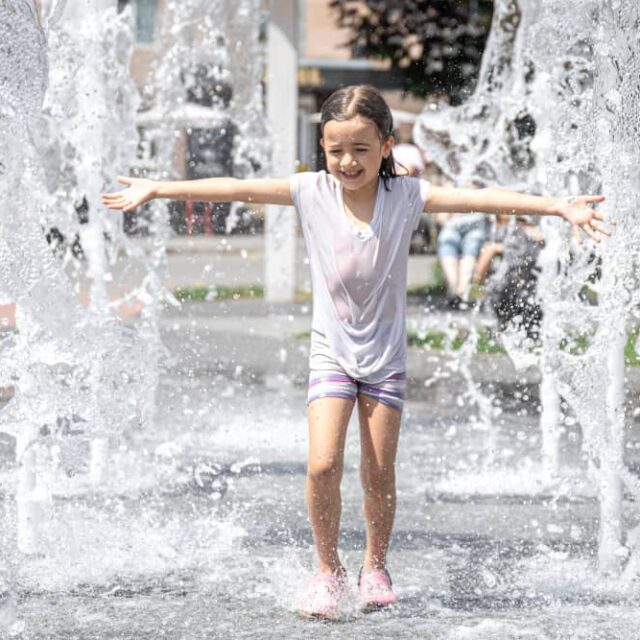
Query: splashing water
point(555, 112)
point(76, 374)
point(80, 383)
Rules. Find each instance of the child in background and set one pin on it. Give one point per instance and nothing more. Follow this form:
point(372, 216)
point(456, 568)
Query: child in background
point(357, 218)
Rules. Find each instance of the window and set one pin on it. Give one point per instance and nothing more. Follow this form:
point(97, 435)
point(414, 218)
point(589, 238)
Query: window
point(145, 20)
point(145, 12)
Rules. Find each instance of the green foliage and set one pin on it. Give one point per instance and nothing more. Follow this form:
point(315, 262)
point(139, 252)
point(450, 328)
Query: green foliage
point(440, 340)
point(219, 292)
point(578, 345)
point(575, 345)
point(631, 356)
point(434, 45)
point(436, 286)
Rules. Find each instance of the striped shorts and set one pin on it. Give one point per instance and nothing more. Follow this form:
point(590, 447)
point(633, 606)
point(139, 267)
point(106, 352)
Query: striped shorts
point(337, 384)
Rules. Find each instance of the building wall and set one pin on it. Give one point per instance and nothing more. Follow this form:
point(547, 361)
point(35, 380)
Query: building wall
point(320, 37)
point(325, 64)
point(146, 53)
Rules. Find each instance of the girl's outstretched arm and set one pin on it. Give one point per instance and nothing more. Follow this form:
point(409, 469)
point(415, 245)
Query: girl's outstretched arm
point(578, 211)
point(141, 190)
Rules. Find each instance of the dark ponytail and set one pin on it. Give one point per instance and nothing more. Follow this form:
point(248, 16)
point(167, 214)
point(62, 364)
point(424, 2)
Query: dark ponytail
point(365, 101)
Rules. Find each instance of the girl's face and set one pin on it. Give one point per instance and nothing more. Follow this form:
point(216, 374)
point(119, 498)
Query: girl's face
point(354, 151)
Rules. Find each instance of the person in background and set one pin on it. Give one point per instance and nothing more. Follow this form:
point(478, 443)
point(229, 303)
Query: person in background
point(491, 250)
point(508, 265)
point(460, 241)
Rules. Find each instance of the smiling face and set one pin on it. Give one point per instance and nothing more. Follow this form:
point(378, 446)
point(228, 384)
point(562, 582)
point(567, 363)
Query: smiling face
point(354, 151)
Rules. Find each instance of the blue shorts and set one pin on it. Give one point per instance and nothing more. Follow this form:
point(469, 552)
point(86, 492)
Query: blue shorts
point(461, 240)
point(337, 384)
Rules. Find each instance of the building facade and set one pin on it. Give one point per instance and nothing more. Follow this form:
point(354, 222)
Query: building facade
point(325, 64)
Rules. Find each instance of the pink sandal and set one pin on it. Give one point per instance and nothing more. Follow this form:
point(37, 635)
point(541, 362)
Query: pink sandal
point(325, 597)
point(376, 589)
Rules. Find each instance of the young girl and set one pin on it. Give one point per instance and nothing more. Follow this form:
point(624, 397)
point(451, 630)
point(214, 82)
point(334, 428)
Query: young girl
point(357, 219)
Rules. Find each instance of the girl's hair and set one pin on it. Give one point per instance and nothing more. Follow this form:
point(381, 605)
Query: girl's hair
point(365, 101)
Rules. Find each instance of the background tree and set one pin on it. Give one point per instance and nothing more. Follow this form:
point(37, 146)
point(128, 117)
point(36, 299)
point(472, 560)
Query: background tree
point(434, 45)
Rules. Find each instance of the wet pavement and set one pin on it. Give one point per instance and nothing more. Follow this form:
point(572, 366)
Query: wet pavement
point(200, 528)
point(201, 532)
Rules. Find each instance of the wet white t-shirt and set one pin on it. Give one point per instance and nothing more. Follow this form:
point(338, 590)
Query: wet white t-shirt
point(359, 276)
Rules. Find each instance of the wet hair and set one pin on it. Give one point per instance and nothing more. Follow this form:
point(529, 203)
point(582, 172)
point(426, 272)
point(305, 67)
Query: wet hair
point(365, 101)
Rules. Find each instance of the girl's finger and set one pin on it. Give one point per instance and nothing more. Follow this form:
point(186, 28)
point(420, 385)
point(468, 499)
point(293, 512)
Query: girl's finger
point(592, 198)
point(604, 231)
point(589, 231)
point(125, 180)
point(600, 228)
point(576, 233)
point(598, 215)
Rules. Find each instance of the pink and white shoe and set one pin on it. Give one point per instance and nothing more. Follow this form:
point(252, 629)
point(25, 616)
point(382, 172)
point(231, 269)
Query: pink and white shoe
point(325, 597)
point(376, 590)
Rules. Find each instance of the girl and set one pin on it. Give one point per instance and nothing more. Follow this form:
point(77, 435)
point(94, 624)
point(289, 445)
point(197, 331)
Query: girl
point(357, 218)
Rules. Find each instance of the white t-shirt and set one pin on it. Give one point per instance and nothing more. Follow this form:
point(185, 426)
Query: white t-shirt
point(359, 276)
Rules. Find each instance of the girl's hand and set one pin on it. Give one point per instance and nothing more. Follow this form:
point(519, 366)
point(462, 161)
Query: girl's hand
point(139, 191)
point(584, 218)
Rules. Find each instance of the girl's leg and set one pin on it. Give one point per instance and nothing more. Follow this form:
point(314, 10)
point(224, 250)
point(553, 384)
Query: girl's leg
point(328, 422)
point(379, 431)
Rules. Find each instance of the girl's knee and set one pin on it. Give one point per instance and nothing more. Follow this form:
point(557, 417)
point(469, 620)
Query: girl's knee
point(324, 470)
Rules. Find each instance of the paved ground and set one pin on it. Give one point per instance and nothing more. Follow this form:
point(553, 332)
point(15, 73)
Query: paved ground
point(200, 531)
point(239, 259)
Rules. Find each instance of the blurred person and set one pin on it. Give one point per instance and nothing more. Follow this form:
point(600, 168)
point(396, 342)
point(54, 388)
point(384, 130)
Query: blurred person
point(508, 264)
point(460, 241)
point(491, 250)
point(357, 218)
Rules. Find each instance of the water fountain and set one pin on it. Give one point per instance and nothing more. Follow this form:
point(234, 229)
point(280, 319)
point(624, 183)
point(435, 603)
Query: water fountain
point(197, 527)
point(80, 382)
point(568, 66)
point(75, 372)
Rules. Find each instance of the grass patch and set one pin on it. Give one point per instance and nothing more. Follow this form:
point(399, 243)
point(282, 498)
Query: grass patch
point(436, 286)
point(426, 291)
point(222, 292)
point(440, 340)
point(575, 345)
point(200, 293)
point(579, 345)
point(631, 356)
